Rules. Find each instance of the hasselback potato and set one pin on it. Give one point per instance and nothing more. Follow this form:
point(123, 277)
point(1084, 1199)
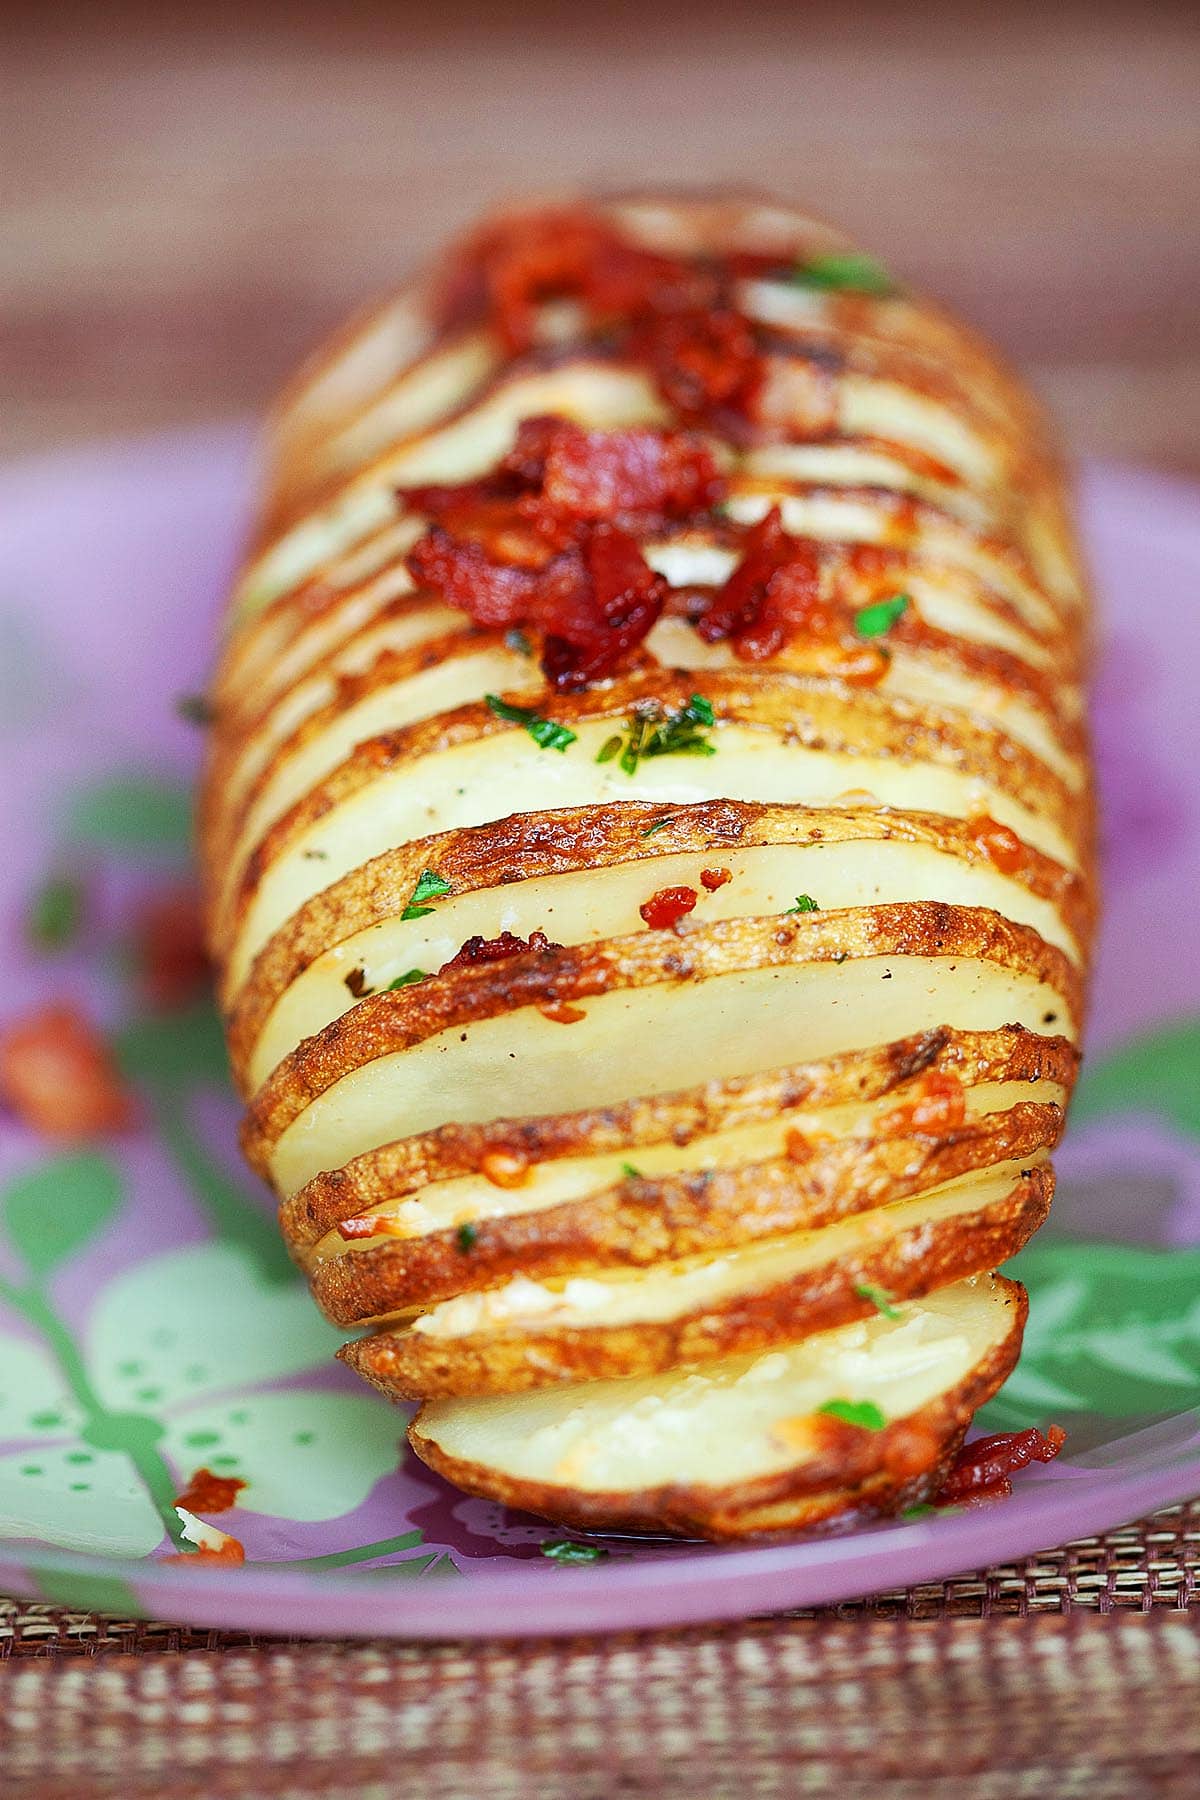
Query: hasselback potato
point(647, 836)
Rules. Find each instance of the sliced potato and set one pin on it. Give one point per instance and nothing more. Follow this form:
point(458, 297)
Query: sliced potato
point(526, 1333)
point(742, 1447)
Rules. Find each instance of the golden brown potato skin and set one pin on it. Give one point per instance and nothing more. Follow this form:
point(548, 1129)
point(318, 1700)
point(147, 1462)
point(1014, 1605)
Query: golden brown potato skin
point(874, 798)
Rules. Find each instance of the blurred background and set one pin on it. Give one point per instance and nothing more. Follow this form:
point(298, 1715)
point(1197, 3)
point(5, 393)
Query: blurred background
point(191, 198)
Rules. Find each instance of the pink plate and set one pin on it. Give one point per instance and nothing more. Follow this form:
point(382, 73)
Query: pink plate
point(149, 1322)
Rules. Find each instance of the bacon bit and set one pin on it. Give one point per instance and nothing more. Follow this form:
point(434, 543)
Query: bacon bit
point(231, 1551)
point(495, 594)
point(938, 1104)
point(664, 909)
point(618, 476)
point(706, 365)
point(209, 1493)
point(171, 953)
point(514, 264)
point(562, 1014)
point(57, 1075)
point(801, 1146)
point(999, 844)
point(352, 1229)
point(982, 1471)
point(488, 950)
point(505, 1169)
point(712, 879)
point(357, 985)
point(773, 592)
point(593, 624)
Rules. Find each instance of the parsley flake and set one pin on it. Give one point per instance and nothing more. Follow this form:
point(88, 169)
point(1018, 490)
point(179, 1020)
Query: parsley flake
point(547, 734)
point(922, 1511)
point(880, 1299)
point(877, 620)
point(467, 1236)
point(430, 887)
point(657, 826)
point(410, 978)
point(630, 1173)
point(55, 913)
point(847, 269)
point(804, 903)
point(649, 731)
point(566, 1550)
point(855, 1412)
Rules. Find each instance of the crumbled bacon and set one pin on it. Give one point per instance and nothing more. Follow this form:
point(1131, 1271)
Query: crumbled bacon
point(712, 879)
point(172, 958)
point(619, 476)
point(592, 625)
point(362, 1227)
point(487, 950)
point(229, 1550)
point(938, 1104)
point(706, 365)
point(664, 909)
point(209, 1493)
point(57, 1075)
point(513, 265)
point(1002, 847)
point(563, 1014)
point(982, 1471)
point(773, 591)
point(496, 594)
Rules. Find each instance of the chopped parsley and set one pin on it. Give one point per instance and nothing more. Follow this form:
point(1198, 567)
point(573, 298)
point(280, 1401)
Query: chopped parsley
point(55, 913)
point(880, 1299)
point(195, 709)
point(649, 731)
point(855, 1412)
point(804, 903)
point(630, 1173)
point(516, 640)
point(566, 1550)
point(430, 887)
point(467, 1236)
point(547, 734)
point(410, 978)
point(846, 269)
point(658, 823)
point(923, 1511)
point(877, 619)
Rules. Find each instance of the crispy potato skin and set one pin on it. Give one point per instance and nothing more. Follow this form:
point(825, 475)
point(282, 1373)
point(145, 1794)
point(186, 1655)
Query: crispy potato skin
point(355, 753)
point(400, 1168)
point(642, 1222)
point(860, 1475)
point(409, 1365)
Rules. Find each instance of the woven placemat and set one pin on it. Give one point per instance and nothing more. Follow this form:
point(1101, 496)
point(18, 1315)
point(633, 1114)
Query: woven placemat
point(1075, 1673)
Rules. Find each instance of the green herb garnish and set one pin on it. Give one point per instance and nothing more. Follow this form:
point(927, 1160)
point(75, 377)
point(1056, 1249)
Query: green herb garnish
point(846, 269)
point(649, 731)
point(467, 1236)
point(565, 1550)
point(547, 734)
point(630, 1173)
point(876, 620)
point(855, 1412)
point(657, 826)
point(923, 1511)
point(55, 913)
point(410, 978)
point(804, 903)
point(195, 709)
point(430, 887)
point(880, 1299)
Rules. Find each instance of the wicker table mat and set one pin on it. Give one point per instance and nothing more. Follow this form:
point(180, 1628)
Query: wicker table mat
point(1074, 1673)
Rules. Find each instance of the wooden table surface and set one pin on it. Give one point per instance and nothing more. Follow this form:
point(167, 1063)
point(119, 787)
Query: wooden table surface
point(192, 198)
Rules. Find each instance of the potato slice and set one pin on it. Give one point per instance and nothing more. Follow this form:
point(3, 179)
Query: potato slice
point(580, 877)
point(795, 1174)
point(741, 1447)
point(527, 1333)
point(721, 1001)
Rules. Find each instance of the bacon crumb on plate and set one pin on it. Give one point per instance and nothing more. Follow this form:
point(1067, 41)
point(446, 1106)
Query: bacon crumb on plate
point(58, 1076)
